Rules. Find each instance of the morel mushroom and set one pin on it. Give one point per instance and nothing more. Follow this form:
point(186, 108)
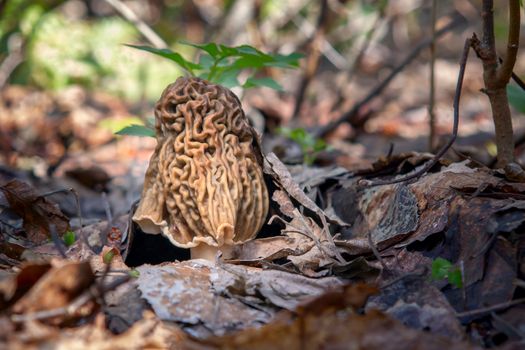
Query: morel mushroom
point(204, 187)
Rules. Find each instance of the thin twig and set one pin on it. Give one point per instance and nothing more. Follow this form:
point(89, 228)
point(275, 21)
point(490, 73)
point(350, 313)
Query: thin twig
point(72, 308)
point(453, 136)
point(141, 26)
point(515, 77)
point(77, 200)
point(8, 65)
point(485, 310)
point(518, 80)
point(513, 40)
point(350, 72)
point(375, 251)
point(376, 91)
point(312, 61)
point(416, 273)
point(328, 51)
point(59, 244)
point(432, 82)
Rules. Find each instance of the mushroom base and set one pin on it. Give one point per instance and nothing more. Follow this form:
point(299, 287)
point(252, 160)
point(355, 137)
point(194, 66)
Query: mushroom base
point(208, 252)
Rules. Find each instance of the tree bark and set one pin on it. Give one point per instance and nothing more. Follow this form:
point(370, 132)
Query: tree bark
point(496, 77)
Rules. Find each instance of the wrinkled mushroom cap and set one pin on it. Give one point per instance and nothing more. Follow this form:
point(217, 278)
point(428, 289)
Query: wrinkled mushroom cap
point(204, 183)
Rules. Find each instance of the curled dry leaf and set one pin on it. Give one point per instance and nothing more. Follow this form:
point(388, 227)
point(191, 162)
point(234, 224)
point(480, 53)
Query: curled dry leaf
point(148, 333)
point(56, 288)
point(37, 212)
point(15, 285)
point(204, 183)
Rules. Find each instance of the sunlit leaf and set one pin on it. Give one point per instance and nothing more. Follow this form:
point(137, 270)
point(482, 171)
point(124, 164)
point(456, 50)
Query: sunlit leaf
point(69, 238)
point(206, 61)
point(211, 48)
point(116, 124)
point(108, 256)
point(440, 268)
point(228, 79)
point(285, 61)
point(134, 273)
point(174, 56)
point(136, 130)
point(267, 82)
point(455, 278)
point(247, 49)
point(320, 145)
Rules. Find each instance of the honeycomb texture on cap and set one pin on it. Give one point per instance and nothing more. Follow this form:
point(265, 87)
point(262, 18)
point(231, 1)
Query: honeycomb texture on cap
point(204, 183)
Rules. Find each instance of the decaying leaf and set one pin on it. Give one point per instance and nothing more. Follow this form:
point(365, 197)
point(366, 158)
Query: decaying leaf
point(205, 297)
point(14, 285)
point(148, 333)
point(57, 288)
point(38, 213)
point(331, 322)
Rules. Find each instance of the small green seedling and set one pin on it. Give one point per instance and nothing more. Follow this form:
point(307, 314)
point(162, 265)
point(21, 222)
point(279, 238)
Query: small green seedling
point(442, 268)
point(107, 258)
point(310, 146)
point(134, 273)
point(221, 64)
point(69, 238)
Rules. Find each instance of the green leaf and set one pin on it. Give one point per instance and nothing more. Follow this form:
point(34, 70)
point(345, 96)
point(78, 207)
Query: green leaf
point(136, 130)
point(174, 56)
point(320, 145)
point(114, 124)
point(211, 48)
point(228, 78)
point(249, 61)
point(267, 82)
point(108, 256)
point(440, 268)
point(228, 51)
point(247, 49)
point(69, 238)
point(298, 135)
point(516, 96)
point(285, 61)
point(206, 61)
point(134, 273)
point(455, 278)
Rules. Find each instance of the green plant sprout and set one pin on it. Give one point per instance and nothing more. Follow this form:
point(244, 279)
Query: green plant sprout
point(69, 238)
point(310, 146)
point(134, 273)
point(442, 268)
point(221, 64)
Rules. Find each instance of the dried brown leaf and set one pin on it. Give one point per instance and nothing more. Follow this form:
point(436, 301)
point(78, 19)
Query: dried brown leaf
point(57, 288)
point(37, 212)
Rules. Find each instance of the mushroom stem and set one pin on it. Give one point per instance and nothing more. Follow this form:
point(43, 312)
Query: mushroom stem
point(204, 251)
point(208, 252)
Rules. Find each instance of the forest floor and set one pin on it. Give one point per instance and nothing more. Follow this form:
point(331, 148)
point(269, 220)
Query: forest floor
point(436, 262)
